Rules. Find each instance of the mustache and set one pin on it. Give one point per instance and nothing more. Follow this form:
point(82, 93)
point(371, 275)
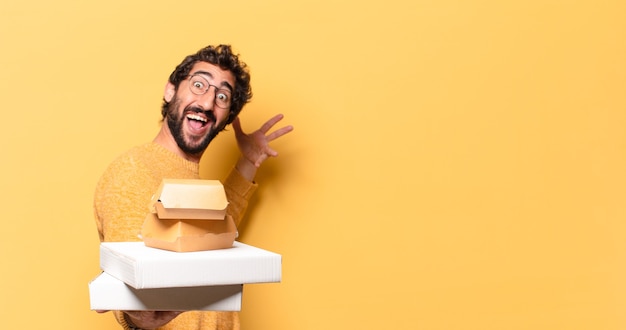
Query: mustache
point(209, 114)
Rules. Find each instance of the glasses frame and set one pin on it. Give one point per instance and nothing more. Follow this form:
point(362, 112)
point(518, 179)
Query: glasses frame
point(218, 102)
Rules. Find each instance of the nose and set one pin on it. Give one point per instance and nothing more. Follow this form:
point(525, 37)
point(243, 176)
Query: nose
point(207, 100)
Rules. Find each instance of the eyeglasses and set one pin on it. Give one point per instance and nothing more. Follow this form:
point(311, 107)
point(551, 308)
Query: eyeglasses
point(199, 86)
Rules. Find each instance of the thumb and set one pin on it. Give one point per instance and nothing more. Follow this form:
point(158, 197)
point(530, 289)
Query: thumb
point(237, 126)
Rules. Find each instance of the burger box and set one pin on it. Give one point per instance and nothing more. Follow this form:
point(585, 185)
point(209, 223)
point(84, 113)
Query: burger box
point(108, 293)
point(144, 267)
point(190, 199)
point(185, 235)
point(189, 215)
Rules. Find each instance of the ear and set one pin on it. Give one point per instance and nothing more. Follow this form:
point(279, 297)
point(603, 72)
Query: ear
point(169, 92)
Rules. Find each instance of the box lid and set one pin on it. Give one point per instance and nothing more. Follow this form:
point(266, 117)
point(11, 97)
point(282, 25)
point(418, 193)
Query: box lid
point(190, 199)
point(144, 267)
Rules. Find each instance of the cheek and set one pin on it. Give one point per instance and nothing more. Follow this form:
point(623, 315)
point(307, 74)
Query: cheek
point(174, 107)
point(221, 114)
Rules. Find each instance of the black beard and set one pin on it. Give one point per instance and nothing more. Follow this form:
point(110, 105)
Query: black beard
point(175, 124)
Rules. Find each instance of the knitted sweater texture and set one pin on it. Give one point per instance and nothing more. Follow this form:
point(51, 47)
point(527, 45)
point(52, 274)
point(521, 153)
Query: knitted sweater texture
point(121, 203)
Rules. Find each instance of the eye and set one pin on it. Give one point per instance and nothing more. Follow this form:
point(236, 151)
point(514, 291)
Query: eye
point(198, 85)
point(222, 96)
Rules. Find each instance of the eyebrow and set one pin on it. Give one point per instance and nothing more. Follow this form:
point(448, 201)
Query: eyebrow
point(224, 83)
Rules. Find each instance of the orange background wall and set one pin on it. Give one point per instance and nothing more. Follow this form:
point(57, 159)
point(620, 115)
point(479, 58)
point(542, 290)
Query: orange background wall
point(454, 164)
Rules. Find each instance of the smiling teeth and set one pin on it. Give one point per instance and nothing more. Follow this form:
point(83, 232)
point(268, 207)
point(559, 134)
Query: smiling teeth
point(198, 118)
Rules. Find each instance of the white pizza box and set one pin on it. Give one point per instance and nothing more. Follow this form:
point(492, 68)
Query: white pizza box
point(108, 293)
point(144, 267)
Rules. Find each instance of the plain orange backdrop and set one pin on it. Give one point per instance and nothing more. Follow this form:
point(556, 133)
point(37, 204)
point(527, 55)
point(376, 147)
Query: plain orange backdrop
point(454, 164)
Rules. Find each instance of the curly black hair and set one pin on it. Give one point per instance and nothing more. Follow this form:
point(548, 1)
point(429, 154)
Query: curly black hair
point(222, 56)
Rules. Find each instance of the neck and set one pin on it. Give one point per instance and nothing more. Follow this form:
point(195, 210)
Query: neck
point(166, 139)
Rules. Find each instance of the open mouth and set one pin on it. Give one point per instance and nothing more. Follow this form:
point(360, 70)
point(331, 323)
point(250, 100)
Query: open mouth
point(197, 121)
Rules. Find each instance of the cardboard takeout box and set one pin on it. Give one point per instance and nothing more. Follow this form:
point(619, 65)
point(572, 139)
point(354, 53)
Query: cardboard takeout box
point(190, 199)
point(186, 235)
point(189, 215)
point(108, 293)
point(143, 267)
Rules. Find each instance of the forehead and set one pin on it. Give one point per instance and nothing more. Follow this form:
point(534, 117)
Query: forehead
point(215, 74)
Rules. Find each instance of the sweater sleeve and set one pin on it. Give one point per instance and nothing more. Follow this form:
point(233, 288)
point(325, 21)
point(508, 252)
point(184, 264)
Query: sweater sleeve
point(121, 202)
point(238, 191)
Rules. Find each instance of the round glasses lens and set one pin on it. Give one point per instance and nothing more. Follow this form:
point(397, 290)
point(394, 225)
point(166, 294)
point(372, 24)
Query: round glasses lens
point(222, 98)
point(198, 85)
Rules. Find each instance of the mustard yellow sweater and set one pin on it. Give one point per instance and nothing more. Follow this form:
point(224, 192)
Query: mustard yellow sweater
point(121, 203)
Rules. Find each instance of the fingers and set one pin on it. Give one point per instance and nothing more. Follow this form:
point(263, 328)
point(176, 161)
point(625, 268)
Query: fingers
point(153, 314)
point(151, 319)
point(260, 161)
point(280, 132)
point(266, 127)
point(270, 123)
